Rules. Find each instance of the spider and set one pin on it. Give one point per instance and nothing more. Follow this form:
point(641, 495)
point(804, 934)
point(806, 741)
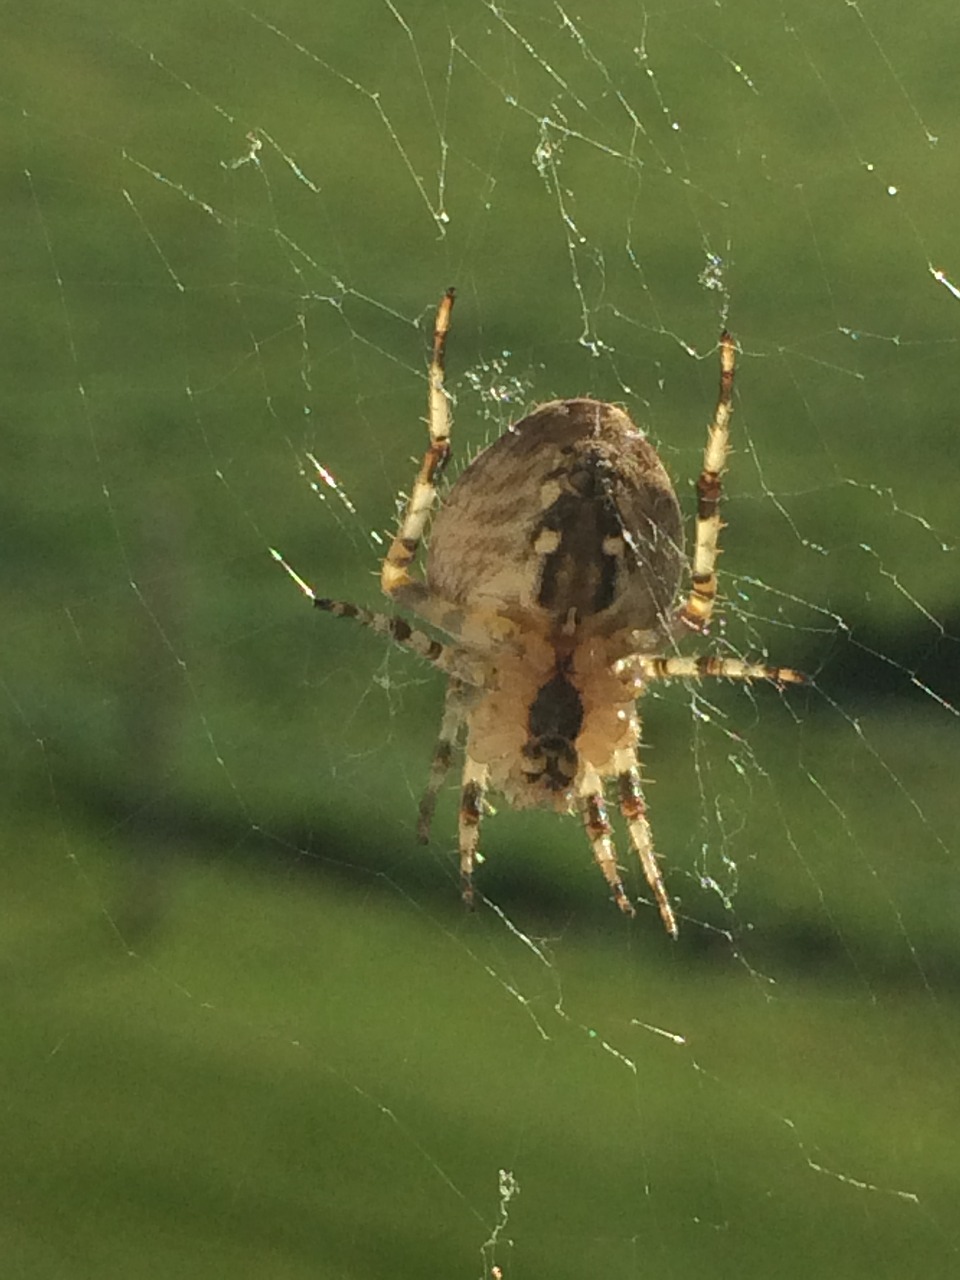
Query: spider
point(555, 566)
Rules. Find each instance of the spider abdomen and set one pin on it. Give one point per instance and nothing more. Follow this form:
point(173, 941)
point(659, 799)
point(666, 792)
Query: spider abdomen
point(569, 517)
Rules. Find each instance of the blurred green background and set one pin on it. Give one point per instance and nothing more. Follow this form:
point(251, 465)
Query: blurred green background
point(248, 1030)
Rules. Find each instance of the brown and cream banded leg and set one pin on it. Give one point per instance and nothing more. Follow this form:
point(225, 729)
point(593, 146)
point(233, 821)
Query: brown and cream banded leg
point(454, 713)
point(596, 822)
point(676, 668)
point(395, 577)
point(472, 794)
point(697, 609)
point(397, 629)
point(593, 809)
point(634, 810)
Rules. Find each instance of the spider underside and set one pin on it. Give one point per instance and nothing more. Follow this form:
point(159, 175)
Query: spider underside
point(555, 566)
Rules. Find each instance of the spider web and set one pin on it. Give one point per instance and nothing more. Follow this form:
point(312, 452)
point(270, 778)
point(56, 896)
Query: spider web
point(253, 1032)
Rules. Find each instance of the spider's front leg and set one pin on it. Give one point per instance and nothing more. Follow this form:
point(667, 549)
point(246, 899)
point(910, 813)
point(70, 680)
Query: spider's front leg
point(697, 609)
point(395, 577)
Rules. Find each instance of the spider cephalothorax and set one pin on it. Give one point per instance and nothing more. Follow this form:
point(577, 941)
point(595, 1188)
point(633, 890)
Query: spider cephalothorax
point(554, 565)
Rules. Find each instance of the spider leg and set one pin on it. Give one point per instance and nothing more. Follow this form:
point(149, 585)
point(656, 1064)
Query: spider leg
point(635, 813)
point(593, 810)
point(652, 668)
point(397, 629)
point(453, 715)
point(697, 609)
point(395, 577)
point(471, 811)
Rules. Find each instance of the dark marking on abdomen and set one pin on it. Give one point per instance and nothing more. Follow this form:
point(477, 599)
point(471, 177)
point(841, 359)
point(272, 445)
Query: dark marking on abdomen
point(579, 574)
point(554, 721)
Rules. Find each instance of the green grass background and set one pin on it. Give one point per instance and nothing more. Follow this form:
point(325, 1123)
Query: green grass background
point(248, 1030)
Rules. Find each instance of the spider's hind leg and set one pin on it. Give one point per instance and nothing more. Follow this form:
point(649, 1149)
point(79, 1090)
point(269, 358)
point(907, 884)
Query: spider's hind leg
point(593, 810)
point(635, 813)
point(453, 717)
point(471, 811)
